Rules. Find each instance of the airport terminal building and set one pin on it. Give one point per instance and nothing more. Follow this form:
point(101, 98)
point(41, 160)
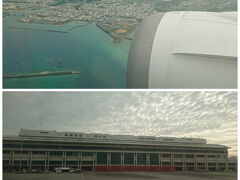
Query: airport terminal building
point(46, 150)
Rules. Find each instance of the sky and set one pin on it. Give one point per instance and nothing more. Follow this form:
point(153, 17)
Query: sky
point(210, 115)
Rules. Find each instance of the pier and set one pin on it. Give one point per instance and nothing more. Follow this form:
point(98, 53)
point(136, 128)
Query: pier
point(33, 29)
point(41, 74)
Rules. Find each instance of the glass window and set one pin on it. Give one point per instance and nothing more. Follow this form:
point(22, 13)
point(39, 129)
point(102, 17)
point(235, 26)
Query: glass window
point(39, 152)
point(178, 163)
point(211, 156)
point(58, 163)
point(87, 162)
point(222, 164)
point(154, 159)
point(115, 158)
point(166, 163)
point(201, 164)
point(87, 153)
point(211, 164)
point(128, 158)
point(141, 159)
point(177, 156)
point(101, 158)
point(166, 155)
point(38, 162)
point(189, 164)
point(69, 163)
point(72, 153)
point(189, 156)
point(6, 152)
point(56, 153)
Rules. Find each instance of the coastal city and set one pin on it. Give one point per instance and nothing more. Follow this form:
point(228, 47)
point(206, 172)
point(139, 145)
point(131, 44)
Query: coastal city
point(118, 18)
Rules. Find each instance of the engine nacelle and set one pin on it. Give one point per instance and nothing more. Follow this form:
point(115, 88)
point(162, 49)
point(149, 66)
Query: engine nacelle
point(184, 50)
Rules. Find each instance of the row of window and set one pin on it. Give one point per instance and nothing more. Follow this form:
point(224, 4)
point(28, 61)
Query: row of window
point(154, 156)
point(121, 148)
point(40, 162)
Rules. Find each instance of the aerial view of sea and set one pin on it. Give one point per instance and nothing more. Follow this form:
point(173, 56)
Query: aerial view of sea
point(30, 48)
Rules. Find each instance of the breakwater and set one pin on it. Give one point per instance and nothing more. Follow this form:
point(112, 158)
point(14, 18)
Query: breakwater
point(34, 29)
point(41, 74)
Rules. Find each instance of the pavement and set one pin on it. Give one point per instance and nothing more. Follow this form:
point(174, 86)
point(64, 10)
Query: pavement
point(123, 176)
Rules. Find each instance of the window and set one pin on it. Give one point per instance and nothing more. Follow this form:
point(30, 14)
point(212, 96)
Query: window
point(115, 158)
point(57, 163)
point(178, 163)
point(87, 162)
point(189, 164)
point(211, 164)
point(5, 162)
point(12, 145)
point(166, 155)
point(201, 164)
point(87, 154)
point(154, 159)
point(70, 163)
point(222, 164)
point(17, 152)
point(141, 158)
point(6, 152)
point(39, 152)
point(101, 158)
point(72, 153)
point(177, 156)
point(128, 158)
point(38, 162)
point(56, 153)
point(189, 156)
point(211, 156)
point(66, 134)
point(166, 163)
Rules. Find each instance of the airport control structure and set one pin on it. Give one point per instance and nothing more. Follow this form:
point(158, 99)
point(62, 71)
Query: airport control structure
point(47, 150)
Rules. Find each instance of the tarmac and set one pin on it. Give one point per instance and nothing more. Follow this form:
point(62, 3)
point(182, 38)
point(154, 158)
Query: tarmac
point(123, 176)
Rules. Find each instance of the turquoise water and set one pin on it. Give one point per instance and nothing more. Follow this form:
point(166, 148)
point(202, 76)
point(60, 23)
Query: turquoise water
point(101, 62)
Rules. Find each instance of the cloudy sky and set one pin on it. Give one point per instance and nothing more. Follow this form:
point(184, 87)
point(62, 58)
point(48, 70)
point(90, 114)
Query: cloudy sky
point(210, 115)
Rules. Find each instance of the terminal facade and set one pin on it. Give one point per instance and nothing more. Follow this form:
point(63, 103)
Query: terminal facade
point(47, 150)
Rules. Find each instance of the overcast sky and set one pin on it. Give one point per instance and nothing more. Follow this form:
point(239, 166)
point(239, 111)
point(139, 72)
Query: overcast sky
point(210, 115)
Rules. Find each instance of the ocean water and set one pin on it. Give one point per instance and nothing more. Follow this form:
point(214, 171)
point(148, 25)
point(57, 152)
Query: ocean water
point(101, 62)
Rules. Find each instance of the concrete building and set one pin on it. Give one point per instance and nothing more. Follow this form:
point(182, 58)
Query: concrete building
point(46, 150)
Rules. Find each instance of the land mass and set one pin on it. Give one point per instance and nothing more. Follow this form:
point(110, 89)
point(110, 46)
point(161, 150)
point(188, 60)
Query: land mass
point(118, 18)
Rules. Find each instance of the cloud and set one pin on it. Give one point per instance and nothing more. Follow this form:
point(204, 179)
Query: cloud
point(210, 115)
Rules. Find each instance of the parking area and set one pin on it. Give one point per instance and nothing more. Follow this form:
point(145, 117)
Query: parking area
point(123, 175)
